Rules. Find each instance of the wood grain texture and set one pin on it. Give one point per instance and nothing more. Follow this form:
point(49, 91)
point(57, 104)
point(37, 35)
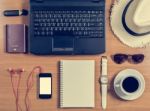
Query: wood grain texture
point(50, 64)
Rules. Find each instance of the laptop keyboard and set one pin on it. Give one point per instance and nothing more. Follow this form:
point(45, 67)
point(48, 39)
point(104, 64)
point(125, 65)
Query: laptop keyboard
point(74, 23)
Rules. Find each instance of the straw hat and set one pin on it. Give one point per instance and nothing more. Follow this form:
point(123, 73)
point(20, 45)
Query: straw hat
point(130, 22)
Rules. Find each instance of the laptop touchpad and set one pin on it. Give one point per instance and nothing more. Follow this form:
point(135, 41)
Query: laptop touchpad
point(63, 44)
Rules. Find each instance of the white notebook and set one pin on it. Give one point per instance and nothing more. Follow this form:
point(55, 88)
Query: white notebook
point(77, 86)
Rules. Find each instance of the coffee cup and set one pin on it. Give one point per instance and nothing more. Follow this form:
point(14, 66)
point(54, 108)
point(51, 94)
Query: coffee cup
point(129, 84)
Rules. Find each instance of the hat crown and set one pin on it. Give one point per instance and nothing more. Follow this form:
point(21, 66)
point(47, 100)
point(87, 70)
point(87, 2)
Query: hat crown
point(142, 16)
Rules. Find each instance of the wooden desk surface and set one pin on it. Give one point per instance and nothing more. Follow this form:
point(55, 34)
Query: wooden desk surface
point(49, 64)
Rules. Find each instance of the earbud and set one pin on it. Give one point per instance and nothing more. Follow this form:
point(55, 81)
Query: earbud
point(12, 71)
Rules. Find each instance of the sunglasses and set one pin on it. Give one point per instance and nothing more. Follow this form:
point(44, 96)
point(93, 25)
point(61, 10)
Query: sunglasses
point(121, 58)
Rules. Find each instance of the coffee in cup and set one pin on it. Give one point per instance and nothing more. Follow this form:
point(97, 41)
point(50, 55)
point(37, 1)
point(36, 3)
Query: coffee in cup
point(130, 84)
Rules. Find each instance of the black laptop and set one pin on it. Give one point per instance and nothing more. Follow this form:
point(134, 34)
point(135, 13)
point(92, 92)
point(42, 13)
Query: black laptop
point(67, 27)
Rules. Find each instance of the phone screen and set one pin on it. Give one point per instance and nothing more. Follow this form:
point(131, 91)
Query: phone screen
point(45, 86)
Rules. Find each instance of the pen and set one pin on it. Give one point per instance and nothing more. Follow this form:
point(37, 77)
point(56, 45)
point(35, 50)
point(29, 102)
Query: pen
point(104, 82)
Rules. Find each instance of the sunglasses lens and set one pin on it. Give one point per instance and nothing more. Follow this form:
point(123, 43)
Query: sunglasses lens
point(138, 58)
point(120, 58)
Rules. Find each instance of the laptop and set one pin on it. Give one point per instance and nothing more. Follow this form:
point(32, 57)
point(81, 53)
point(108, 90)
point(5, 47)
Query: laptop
point(67, 27)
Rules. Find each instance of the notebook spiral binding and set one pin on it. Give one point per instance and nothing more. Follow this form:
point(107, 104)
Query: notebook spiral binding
point(61, 84)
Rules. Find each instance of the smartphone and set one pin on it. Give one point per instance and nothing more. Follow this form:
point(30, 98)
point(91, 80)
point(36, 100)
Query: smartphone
point(45, 85)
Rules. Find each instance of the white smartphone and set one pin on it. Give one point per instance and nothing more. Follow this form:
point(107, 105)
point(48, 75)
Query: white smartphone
point(45, 85)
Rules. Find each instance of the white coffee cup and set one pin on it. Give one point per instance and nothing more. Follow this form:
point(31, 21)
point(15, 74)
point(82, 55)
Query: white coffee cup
point(126, 90)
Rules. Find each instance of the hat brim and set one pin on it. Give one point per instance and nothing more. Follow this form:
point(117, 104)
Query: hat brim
point(120, 30)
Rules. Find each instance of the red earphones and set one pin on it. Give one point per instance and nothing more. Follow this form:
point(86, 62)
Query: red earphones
point(15, 75)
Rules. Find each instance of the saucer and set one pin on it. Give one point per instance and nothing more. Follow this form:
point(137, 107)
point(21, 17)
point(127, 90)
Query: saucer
point(126, 73)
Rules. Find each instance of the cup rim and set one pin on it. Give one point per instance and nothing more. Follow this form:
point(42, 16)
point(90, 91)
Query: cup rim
point(128, 93)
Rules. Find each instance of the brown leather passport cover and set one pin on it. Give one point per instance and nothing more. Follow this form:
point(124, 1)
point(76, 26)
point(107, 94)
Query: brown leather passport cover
point(16, 38)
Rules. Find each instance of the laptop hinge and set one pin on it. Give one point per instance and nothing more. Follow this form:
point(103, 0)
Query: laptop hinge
point(96, 1)
point(39, 1)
